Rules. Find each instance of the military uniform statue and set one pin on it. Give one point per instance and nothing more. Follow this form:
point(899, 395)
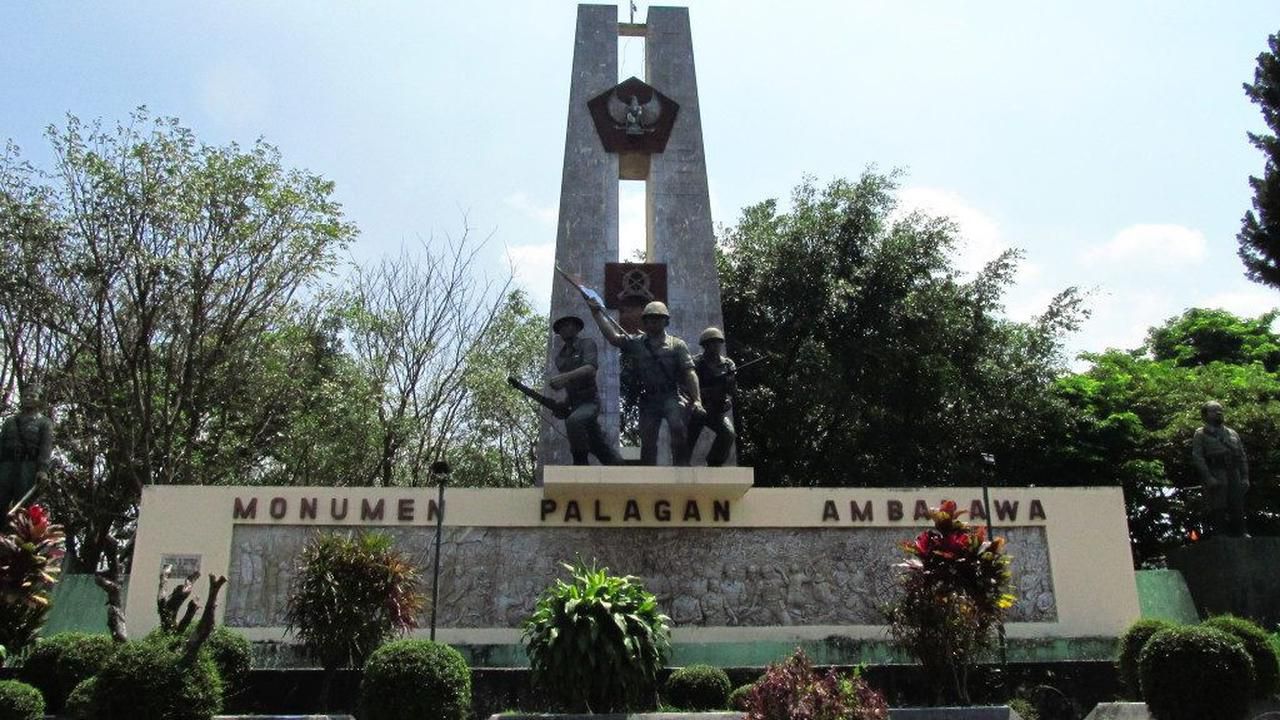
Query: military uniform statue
point(577, 362)
point(665, 370)
point(717, 380)
point(1224, 471)
point(26, 446)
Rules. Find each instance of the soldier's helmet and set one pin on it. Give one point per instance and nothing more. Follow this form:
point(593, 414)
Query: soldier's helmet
point(656, 308)
point(711, 333)
point(571, 319)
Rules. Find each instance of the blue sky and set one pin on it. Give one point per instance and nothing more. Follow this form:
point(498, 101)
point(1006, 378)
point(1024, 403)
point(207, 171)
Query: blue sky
point(1105, 139)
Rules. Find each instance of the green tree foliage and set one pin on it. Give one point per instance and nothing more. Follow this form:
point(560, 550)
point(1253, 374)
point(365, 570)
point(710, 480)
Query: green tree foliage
point(919, 370)
point(1134, 413)
point(1260, 230)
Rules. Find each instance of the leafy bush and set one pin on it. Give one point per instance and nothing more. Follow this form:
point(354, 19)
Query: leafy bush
point(794, 690)
point(20, 701)
point(1025, 708)
point(1266, 667)
point(956, 589)
point(596, 643)
point(1131, 643)
point(79, 705)
point(57, 664)
point(738, 698)
point(29, 555)
point(149, 680)
point(1196, 673)
point(233, 656)
point(698, 687)
point(415, 680)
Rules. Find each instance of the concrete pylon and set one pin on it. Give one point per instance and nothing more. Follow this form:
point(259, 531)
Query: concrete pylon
point(587, 233)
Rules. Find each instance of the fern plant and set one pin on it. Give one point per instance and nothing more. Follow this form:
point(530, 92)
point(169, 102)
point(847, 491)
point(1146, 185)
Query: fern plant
point(597, 642)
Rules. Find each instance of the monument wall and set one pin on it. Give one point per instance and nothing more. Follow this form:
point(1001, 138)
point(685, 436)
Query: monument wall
point(728, 564)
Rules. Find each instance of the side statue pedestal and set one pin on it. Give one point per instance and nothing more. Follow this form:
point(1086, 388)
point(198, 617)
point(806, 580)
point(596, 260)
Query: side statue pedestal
point(1233, 575)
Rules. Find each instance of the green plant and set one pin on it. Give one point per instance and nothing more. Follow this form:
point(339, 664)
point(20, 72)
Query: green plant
point(151, 680)
point(698, 687)
point(351, 593)
point(233, 656)
point(20, 701)
point(29, 555)
point(57, 664)
point(415, 680)
point(1196, 673)
point(596, 643)
point(1131, 643)
point(738, 698)
point(79, 705)
point(1024, 707)
point(956, 589)
point(795, 690)
point(1266, 666)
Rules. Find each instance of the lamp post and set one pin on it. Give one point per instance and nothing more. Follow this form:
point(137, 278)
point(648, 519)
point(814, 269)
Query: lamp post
point(989, 469)
point(440, 470)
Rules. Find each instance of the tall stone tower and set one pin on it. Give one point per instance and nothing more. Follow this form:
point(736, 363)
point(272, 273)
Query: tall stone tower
point(641, 129)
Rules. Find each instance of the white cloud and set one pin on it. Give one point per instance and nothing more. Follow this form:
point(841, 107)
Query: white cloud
point(543, 214)
point(1164, 244)
point(236, 92)
point(631, 220)
point(980, 237)
point(1247, 302)
point(532, 266)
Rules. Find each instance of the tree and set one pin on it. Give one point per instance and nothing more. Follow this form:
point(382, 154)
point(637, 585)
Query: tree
point(1134, 413)
point(149, 277)
point(1260, 233)
point(919, 371)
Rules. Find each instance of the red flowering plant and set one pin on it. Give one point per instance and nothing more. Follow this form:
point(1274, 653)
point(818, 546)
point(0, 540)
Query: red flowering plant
point(795, 690)
point(956, 589)
point(30, 551)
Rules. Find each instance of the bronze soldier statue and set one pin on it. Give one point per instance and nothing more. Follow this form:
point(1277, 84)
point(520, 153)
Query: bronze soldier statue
point(577, 364)
point(717, 380)
point(26, 447)
point(1224, 471)
point(665, 369)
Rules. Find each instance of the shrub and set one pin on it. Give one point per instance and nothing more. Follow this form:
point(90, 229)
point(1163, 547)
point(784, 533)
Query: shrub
point(1196, 673)
point(415, 680)
point(794, 690)
point(1266, 667)
point(956, 589)
point(57, 664)
point(149, 680)
point(348, 596)
point(1025, 709)
point(29, 555)
point(79, 704)
point(738, 698)
point(596, 643)
point(1131, 643)
point(698, 687)
point(233, 656)
point(20, 701)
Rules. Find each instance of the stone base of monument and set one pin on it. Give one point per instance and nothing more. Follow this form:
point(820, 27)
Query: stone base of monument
point(1233, 575)
point(283, 717)
point(623, 716)
point(1119, 711)
point(722, 482)
point(981, 712)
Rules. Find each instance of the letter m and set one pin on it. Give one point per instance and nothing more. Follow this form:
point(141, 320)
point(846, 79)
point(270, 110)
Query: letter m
point(243, 512)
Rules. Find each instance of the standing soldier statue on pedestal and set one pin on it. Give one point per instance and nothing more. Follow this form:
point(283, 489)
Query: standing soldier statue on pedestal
point(717, 380)
point(26, 447)
point(577, 362)
point(1224, 471)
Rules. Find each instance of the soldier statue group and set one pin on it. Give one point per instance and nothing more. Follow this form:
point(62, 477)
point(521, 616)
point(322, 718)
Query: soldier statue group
point(691, 393)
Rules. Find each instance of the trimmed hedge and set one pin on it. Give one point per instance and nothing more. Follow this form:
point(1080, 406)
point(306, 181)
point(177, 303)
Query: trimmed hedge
point(80, 701)
point(415, 680)
point(1131, 643)
point(1196, 673)
point(698, 687)
point(1266, 666)
point(146, 680)
point(738, 698)
point(233, 656)
point(20, 701)
point(57, 664)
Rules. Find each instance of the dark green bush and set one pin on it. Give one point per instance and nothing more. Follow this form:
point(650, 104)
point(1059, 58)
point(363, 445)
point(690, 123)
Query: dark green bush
point(1131, 643)
point(1025, 708)
point(415, 680)
point(1266, 667)
point(233, 657)
point(698, 687)
point(738, 698)
point(20, 701)
point(596, 643)
point(80, 702)
point(1196, 673)
point(58, 663)
point(147, 680)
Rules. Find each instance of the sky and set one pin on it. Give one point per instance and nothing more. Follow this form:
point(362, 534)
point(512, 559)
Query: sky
point(1106, 140)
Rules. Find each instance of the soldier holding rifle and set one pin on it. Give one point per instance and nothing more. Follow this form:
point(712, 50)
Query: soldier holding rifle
point(577, 364)
point(717, 379)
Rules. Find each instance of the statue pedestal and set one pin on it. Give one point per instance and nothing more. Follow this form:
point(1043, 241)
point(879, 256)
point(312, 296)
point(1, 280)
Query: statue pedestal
point(1233, 575)
point(722, 482)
